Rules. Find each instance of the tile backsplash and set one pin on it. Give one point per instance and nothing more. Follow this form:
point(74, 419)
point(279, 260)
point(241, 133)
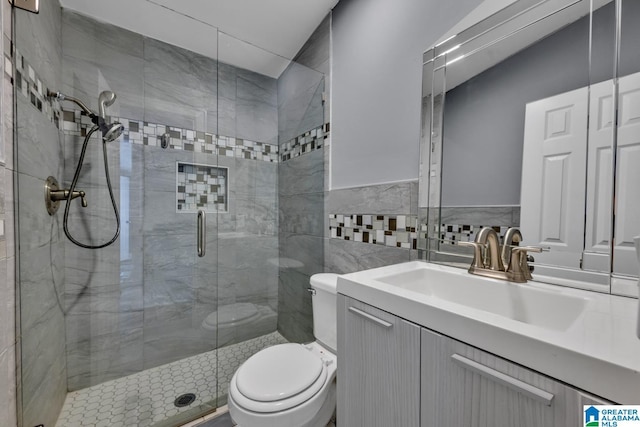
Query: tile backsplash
point(306, 143)
point(388, 230)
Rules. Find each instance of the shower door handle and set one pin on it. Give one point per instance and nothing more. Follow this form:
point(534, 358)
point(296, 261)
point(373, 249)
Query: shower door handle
point(201, 233)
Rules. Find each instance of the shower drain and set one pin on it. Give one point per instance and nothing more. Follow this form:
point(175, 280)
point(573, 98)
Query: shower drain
point(184, 400)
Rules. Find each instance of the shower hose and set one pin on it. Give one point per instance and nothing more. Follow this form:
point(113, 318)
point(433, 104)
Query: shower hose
point(73, 186)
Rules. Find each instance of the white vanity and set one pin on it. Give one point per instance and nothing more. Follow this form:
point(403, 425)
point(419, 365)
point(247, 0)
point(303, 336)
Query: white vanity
point(422, 344)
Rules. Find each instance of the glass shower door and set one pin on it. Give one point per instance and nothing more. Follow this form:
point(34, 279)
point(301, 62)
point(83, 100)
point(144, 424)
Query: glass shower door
point(123, 334)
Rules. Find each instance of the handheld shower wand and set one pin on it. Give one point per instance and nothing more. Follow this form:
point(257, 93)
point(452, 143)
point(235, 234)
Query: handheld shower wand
point(106, 99)
point(110, 132)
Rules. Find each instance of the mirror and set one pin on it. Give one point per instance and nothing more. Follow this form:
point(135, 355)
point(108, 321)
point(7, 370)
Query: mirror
point(518, 132)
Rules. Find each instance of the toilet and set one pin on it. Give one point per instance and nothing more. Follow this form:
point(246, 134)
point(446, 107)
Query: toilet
point(292, 385)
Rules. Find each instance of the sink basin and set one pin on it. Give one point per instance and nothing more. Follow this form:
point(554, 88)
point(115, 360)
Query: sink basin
point(525, 303)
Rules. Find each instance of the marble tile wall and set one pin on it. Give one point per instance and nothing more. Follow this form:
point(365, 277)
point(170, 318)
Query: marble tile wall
point(160, 83)
point(301, 182)
point(301, 212)
point(300, 101)
point(316, 55)
point(143, 304)
point(8, 392)
point(129, 314)
point(43, 364)
point(385, 200)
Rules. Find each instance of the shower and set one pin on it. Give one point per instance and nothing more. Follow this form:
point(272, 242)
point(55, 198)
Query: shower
point(145, 324)
point(110, 132)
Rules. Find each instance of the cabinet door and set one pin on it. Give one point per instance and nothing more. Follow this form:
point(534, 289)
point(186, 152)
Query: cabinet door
point(378, 367)
point(466, 387)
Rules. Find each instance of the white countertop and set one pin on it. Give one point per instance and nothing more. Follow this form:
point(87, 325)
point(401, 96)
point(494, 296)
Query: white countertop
point(599, 353)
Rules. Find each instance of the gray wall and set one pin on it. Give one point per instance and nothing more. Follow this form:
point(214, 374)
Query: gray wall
point(377, 78)
point(126, 315)
point(484, 117)
point(301, 185)
point(7, 241)
point(42, 251)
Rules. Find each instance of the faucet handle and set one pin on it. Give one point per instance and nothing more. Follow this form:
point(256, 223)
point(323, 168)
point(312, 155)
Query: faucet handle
point(477, 253)
point(525, 249)
point(519, 262)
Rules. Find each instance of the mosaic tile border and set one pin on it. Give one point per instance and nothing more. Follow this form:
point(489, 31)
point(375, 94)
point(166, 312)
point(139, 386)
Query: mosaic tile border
point(30, 85)
point(450, 234)
point(200, 186)
point(75, 122)
point(389, 230)
point(306, 143)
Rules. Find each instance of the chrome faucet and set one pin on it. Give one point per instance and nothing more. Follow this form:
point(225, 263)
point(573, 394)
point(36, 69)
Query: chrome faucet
point(507, 262)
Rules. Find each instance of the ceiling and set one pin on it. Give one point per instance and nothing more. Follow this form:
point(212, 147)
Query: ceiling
point(255, 34)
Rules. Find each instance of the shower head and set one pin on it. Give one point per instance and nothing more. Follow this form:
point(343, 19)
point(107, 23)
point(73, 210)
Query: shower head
point(106, 99)
point(110, 131)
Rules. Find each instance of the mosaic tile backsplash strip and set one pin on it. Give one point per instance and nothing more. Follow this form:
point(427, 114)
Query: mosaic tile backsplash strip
point(76, 123)
point(450, 234)
point(305, 143)
point(31, 86)
point(388, 230)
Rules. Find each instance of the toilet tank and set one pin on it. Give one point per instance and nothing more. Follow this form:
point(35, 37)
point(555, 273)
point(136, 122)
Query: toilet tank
point(324, 309)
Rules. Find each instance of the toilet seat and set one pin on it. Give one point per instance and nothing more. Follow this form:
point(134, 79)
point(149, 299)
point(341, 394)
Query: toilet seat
point(295, 375)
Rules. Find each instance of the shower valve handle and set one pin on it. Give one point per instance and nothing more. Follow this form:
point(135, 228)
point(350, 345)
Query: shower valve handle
point(83, 199)
point(58, 195)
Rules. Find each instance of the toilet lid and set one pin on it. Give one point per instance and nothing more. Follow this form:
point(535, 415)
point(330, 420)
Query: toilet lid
point(278, 372)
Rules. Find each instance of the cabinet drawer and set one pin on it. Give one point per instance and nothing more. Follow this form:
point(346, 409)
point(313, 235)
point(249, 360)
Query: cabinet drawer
point(463, 386)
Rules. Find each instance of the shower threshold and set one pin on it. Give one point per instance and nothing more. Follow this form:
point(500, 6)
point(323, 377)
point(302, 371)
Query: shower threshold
point(148, 398)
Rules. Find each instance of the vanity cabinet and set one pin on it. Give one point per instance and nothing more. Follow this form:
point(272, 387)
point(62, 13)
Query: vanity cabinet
point(392, 372)
point(466, 387)
point(378, 368)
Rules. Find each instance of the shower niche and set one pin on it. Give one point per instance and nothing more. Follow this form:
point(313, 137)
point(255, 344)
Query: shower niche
point(201, 187)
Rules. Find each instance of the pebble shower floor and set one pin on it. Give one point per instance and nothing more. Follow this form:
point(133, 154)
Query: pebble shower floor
point(147, 397)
